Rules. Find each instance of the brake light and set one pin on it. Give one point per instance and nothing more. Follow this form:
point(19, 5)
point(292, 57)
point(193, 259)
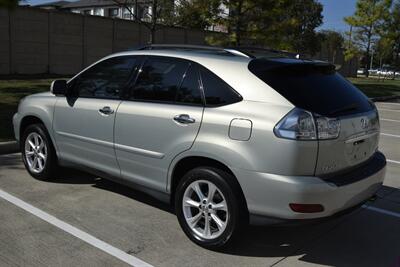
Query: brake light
point(300, 124)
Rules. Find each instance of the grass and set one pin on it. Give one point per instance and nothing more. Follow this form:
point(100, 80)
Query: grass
point(374, 87)
point(11, 92)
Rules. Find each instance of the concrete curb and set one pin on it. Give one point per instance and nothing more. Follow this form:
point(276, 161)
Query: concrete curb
point(385, 98)
point(8, 147)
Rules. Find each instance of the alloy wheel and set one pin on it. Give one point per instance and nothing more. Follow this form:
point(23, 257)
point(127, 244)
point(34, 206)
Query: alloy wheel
point(205, 209)
point(35, 152)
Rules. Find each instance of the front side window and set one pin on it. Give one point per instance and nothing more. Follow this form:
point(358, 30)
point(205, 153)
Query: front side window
point(159, 79)
point(216, 91)
point(105, 79)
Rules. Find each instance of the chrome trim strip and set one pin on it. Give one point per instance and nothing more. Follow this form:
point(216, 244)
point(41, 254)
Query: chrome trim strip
point(140, 151)
point(134, 150)
point(87, 139)
point(361, 137)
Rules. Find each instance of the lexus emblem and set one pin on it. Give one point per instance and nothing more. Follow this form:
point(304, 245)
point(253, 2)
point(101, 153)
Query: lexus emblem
point(364, 123)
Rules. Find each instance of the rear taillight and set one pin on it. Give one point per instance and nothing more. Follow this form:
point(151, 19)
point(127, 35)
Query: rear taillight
point(327, 128)
point(300, 124)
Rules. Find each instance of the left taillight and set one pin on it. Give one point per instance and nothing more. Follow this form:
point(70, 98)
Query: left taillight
point(300, 124)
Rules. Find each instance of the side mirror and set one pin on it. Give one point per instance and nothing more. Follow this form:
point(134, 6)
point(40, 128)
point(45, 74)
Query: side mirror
point(58, 87)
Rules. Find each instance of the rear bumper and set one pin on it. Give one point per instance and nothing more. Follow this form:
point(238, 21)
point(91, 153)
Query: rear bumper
point(269, 195)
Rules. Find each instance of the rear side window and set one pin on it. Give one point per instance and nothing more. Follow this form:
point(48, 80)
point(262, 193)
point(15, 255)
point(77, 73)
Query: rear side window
point(311, 87)
point(160, 79)
point(216, 91)
point(189, 92)
point(105, 79)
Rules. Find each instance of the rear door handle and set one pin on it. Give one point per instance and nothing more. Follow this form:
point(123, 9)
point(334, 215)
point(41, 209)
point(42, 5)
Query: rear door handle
point(184, 118)
point(106, 110)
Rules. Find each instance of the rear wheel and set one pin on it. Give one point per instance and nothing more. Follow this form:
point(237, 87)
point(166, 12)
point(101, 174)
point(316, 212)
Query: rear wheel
point(38, 152)
point(207, 207)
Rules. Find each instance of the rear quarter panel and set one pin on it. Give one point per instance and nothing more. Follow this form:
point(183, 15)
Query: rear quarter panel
point(263, 152)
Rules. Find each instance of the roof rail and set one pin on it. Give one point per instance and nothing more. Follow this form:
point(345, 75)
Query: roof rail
point(242, 51)
point(255, 51)
point(180, 46)
point(192, 47)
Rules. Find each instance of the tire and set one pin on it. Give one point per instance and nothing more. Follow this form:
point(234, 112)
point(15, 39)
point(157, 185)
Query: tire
point(36, 143)
point(232, 219)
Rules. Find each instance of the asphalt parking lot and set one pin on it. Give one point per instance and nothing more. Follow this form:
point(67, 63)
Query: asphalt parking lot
point(81, 220)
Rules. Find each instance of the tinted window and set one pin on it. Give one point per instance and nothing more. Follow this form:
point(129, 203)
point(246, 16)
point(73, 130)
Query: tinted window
point(316, 88)
point(105, 79)
point(160, 79)
point(189, 92)
point(216, 91)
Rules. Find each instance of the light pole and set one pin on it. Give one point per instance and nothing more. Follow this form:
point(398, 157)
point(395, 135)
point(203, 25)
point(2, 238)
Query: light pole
point(372, 59)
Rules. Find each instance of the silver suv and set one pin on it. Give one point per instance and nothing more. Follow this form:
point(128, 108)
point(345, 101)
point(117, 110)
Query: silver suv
point(226, 136)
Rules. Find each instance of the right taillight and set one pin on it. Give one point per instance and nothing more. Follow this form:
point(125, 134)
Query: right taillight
point(327, 128)
point(300, 124)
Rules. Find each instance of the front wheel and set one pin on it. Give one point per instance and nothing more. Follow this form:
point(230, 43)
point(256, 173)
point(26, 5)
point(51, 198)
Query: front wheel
point(208, 207)
point(38, 153)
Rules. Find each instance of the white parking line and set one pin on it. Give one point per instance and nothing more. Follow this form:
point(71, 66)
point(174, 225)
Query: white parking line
point(391, 135)
point(385, 109)
point(386, 212)
point(393, 161)
point(387, 103)
point(389, 120)
point(113, 251)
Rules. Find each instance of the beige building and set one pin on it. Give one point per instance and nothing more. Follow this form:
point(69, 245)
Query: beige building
point(105, 8)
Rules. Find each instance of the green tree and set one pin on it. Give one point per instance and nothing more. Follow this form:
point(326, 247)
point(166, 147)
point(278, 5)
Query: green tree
point(392, 36)
point(305, 16)
point(281, 24)
point(239, 17)
point(331, 42)
point(154, 14)
point(9, 3)
point(383, 51)
point(366, 24)
point(197, 14)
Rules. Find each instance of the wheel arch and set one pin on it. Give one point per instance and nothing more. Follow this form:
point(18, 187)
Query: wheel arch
point(26, 121)
point(29, 119)
point(184, 164)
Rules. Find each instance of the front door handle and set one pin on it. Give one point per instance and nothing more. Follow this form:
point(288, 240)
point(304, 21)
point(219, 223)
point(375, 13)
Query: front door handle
point(184, 118)
point(106, 111)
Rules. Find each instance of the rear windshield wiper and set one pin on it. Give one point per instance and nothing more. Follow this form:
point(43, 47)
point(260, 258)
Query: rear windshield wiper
point(351, 107)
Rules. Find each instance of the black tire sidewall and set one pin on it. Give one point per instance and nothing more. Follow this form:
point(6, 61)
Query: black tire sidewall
point(51, 160)
point(221, 180)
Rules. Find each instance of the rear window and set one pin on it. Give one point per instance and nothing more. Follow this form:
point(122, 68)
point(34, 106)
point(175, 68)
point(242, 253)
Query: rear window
point(313, 87)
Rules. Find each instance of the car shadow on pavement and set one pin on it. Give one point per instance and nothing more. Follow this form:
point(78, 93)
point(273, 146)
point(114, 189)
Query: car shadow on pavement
point(364, 237)
point(360, 238)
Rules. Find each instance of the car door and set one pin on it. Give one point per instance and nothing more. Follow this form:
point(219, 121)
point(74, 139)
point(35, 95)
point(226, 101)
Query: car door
point(84, 119)
point(160, 119)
